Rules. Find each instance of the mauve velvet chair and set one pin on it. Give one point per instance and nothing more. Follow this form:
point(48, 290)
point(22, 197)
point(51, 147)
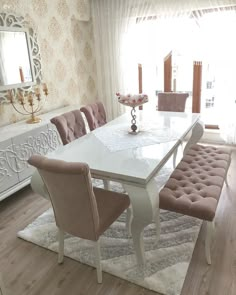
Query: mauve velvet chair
point(95, 114)
point(172, 102)
point(80, 209)
point(70, 126)
point(96, 117)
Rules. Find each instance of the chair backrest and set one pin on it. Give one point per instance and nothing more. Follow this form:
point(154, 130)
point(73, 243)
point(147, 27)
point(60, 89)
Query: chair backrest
point(70, 126)
point(70, 190)
point(95, 114)
point(172, 101)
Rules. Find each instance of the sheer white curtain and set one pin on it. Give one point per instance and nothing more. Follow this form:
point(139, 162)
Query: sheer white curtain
point(119, 46)
point(136, 31)
point(217, 28)
point(111, 21)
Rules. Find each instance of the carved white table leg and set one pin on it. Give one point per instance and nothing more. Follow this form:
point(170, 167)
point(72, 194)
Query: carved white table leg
point(196, 135)
point(144, 203)
point(129, 217)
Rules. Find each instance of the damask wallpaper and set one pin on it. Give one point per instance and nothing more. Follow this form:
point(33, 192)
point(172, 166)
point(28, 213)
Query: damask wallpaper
point(65, 36)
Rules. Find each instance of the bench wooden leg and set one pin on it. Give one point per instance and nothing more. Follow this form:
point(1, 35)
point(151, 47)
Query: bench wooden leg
point(209, 234)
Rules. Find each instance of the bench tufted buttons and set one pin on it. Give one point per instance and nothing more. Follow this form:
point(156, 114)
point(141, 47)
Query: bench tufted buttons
point(202, 167)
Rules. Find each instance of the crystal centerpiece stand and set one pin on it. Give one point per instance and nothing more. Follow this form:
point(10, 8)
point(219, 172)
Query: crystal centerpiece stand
point(133, 101)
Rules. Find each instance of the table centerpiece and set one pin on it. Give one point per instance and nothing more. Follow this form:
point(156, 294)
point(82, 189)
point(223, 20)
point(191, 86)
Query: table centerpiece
point(132, 100)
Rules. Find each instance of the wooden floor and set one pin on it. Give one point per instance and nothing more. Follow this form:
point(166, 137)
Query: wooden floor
point(30, 269)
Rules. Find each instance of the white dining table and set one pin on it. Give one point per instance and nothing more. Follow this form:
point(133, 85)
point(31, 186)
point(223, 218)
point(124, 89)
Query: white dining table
point(112, 153)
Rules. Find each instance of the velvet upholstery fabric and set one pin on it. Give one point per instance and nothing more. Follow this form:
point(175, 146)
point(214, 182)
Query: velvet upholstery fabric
point(172, 101)
point(195, 186)
point(70, 126)
point(78, 208)
point(95, 114)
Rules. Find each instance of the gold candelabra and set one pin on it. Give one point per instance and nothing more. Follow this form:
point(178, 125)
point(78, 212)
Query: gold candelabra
point(31, 102)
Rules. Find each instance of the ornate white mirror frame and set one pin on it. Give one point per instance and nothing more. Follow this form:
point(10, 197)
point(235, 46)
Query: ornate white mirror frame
point(11, 22)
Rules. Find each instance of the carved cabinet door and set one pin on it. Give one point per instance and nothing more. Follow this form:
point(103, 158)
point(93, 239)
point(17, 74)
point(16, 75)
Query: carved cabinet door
point(37, 141)
point(8, 170)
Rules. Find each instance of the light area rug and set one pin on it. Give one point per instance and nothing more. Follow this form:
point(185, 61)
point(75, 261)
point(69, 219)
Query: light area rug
point(166, 261)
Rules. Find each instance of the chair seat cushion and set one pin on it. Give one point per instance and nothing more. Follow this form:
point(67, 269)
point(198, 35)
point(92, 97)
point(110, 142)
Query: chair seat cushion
point(195, 186)
point(110, 205)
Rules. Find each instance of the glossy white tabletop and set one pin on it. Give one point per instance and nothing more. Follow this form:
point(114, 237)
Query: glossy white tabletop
point(135, 165)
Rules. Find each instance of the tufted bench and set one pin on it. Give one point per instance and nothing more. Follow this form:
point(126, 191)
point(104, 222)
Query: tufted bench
point(194, 187)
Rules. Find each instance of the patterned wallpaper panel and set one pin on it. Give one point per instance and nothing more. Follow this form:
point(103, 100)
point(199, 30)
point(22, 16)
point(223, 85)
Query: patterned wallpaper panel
point(65, 37)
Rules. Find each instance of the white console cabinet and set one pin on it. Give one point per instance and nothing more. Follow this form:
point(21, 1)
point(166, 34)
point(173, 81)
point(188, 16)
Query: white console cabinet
point(18, 142)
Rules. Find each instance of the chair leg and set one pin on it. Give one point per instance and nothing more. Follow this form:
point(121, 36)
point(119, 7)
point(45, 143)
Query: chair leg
point(129, 216)
point(60, 246)
point(209, 234)
point(2, 287)
point(98, 261)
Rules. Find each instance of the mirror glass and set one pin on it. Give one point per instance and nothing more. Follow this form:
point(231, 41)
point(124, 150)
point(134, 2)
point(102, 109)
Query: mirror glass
point(15, 64)
point(20, 60)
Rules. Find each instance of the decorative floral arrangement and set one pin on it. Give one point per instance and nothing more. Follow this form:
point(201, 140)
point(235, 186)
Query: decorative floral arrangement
point(132, 100)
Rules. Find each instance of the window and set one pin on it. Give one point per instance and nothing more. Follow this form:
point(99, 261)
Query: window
point(205, 36)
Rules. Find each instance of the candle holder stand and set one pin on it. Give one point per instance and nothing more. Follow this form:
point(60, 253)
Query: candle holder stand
point(30, 102)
